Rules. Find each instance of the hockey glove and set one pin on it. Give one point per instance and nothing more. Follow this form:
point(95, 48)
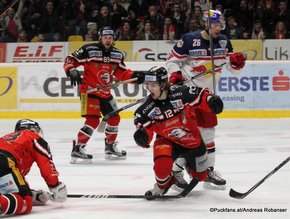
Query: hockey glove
point(141, 138)
point(140, 75)
point(39, 197)
point(215, 103)
point(59, 193)
point(75, 77)
point(176, 78)
point(237, 60)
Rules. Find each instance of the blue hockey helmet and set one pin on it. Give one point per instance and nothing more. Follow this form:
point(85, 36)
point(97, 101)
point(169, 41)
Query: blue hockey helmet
point(215, 17)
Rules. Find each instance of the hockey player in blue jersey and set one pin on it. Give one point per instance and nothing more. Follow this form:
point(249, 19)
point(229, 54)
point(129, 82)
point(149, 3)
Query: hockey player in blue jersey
point(192, 56)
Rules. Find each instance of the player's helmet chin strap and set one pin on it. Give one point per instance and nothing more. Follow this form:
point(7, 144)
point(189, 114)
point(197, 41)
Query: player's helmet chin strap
point(162, 84)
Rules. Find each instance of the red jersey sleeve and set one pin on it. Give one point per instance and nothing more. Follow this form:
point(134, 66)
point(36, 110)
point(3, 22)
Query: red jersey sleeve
point(44, 161)
point(70, 62)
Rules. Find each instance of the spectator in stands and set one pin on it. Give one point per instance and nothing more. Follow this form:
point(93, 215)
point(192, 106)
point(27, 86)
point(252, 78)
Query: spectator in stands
point(233, 31)
point(197, 14)
point(125, 32)
point(41, 38)
point(283, 13)
point(104, 18)
point(269, 13)
point(244, 18)
point(11, 23)
point(155, 19)
point(22, 37)
point(92, 32)
point(280, 31)
point(146, 33)
point(258, 32)
point(77, 26)
point(31, 17)
point(134, 22)
point(118, 13)
point(93, 17)
point(191, 25)
point(178, 20)
point(50, 24)
point(140, 8)
point(168, 29)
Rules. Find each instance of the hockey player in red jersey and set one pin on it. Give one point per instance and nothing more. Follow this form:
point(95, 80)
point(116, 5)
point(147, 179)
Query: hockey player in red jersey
point(102, 62)
point(169, 112)
point(191, 56)
point(18, 151)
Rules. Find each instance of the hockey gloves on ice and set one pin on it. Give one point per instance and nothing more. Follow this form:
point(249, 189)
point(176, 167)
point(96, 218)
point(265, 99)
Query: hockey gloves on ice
point(59, 193)
point(141, 138)
point(237, 60)
point(40, 197)
point(216, 104)
point(140, 75)
point(176, 78)
point(75, 77)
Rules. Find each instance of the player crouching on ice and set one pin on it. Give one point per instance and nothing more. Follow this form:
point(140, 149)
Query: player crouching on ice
point(169, 112)
point(18, 151)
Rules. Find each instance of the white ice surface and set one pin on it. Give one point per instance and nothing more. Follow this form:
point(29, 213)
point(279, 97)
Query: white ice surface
point(247, 150)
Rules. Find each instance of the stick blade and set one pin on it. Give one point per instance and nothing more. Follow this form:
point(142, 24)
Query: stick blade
point(190, 187)
point(237, 195)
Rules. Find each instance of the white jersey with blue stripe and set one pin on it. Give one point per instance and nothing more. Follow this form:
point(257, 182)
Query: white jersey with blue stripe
point(191, 55)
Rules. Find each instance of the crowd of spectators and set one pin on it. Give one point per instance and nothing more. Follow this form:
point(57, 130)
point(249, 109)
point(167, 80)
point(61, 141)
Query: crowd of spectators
point(57, 20)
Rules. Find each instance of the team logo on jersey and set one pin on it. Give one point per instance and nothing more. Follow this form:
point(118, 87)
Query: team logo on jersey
point(155, 112)
point(177, 104)
point(177, 133)
point(106, 77)
point(220, 52)
point(116, 55)
point(192, 90)
point(78, 52)
point(223, 43)
point(197, 52)
point(179, 43)
point(95, 53)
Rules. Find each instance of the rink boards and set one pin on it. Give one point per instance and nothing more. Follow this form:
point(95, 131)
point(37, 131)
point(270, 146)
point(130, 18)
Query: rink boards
point(41, 90)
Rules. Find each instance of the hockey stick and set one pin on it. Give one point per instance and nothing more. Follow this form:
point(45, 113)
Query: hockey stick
point(184, 193)
point(211, 46)
point(9, 6)
point(112, 85)
point(204, 73)
point(238, 195)
point(103, 123)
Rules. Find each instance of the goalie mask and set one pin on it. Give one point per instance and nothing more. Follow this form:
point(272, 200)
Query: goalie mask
point(30, 125)
point(216, 17)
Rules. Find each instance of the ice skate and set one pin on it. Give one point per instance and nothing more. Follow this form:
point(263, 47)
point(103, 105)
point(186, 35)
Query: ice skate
point(78, 154)
point(180, 183)
point(113, 153)
point(156, 191)
point(214, 180)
